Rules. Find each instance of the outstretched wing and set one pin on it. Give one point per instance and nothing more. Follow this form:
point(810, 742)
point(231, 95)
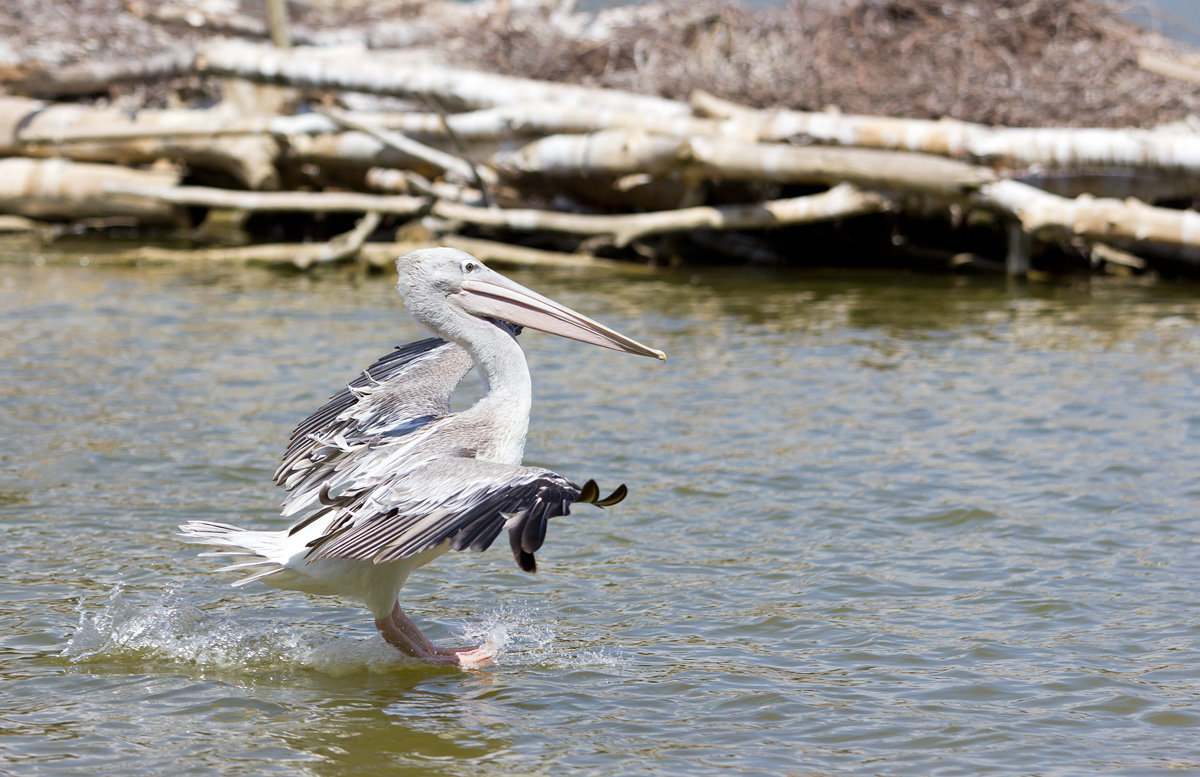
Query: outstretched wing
point(400, 393)
point(465, 502)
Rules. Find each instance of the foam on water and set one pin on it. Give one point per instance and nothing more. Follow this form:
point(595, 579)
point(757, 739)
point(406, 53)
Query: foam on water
point(522, 635)
point(174, 628)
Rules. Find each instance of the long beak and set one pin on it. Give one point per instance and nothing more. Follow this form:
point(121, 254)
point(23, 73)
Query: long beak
point(493, 295)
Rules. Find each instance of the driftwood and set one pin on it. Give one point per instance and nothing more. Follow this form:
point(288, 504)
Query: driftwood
point(443, 162)
point(778, 163)
point(1101, 219)
point(282, 202)
point(302, 255)
point(454, 88)
point(345, 247)
point(840, 202)
point(620, 153)
point(585, 168)
point(93, 77)
point(249, 160)
point(58, 189)
point(11, 224)
point(1183, 67)
point(1054, 147)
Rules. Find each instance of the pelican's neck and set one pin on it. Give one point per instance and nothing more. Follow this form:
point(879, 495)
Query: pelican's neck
point(504, 408)
point(502, 362)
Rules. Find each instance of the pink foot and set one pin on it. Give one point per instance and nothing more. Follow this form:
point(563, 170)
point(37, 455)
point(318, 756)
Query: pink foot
point(403, 634)
point(480, 655)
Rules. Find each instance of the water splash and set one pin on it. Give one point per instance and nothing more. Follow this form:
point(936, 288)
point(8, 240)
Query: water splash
point(523, 635)
point(175, 629)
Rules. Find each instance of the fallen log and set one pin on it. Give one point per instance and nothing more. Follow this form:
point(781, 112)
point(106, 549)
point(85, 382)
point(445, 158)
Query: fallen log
point(503, 123)
point(514, 121)
point(382, 255)
point(387, 180)
point(19, 224)
point(300, 255)
point(619, 153)
point(249, 160)
point(295, 202)
point(1185, 67)
point(841, 202)
point(1125, 262)
point(350, 149)
point(96, 77)
point(454, 88)
point(624, 228)
point(1052, 147)
point(61, 190)
point(110, 126)
point(1100, 219)
point(609, 154)
point(445, 163)
point(869, 168)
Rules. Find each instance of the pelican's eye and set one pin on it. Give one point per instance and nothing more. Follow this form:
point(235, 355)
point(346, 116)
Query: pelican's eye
point(469, 267)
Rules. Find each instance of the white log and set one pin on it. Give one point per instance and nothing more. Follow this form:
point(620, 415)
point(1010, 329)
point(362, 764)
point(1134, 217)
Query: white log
point(387, 180)
point(446, 163)
point(505, 122)
point(1115, 257)
point(1100, 219)
point(343, 247)
point(94, 77)
point(305, 255)
point(534, 119)
point(351, 148)
point(58, 189)
point(13, 224)
point(618, 153)
point(778, 163)
point(293, 202)
point(840, 202)
point(1055, 147)
point(1185, 67)
point(610, 153)
point(54, 127)
point(457, 88)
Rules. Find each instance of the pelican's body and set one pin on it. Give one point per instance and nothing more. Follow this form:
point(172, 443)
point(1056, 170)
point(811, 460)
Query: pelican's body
point(388, 479)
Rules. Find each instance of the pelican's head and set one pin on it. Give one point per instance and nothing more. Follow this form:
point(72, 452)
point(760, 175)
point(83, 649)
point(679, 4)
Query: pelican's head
point(451, 291)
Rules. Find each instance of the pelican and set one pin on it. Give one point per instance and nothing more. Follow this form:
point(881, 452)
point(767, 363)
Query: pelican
point(384, 478)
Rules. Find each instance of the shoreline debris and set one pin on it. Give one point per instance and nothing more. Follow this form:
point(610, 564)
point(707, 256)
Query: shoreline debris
point(343, 147)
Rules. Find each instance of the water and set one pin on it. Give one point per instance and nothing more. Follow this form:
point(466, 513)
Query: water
point(878, 524)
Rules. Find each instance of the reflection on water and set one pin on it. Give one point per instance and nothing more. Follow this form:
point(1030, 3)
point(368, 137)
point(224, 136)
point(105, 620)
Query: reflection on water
point(937, 524)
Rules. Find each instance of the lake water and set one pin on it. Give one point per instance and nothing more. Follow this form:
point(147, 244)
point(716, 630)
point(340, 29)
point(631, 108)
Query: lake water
point(878, 524)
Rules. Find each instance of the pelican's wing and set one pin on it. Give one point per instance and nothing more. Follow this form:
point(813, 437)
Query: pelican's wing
point(465, 502)
point(400, 393)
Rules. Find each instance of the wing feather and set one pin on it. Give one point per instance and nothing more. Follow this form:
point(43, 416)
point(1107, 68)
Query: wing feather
point(399, 394)
point(460, 501)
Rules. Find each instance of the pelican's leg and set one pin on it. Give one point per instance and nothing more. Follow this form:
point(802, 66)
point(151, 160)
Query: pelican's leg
point(401, 633)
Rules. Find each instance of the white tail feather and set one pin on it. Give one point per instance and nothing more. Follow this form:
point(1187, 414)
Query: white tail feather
point(256, 576)
point(270, 549)
point(246, 565)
